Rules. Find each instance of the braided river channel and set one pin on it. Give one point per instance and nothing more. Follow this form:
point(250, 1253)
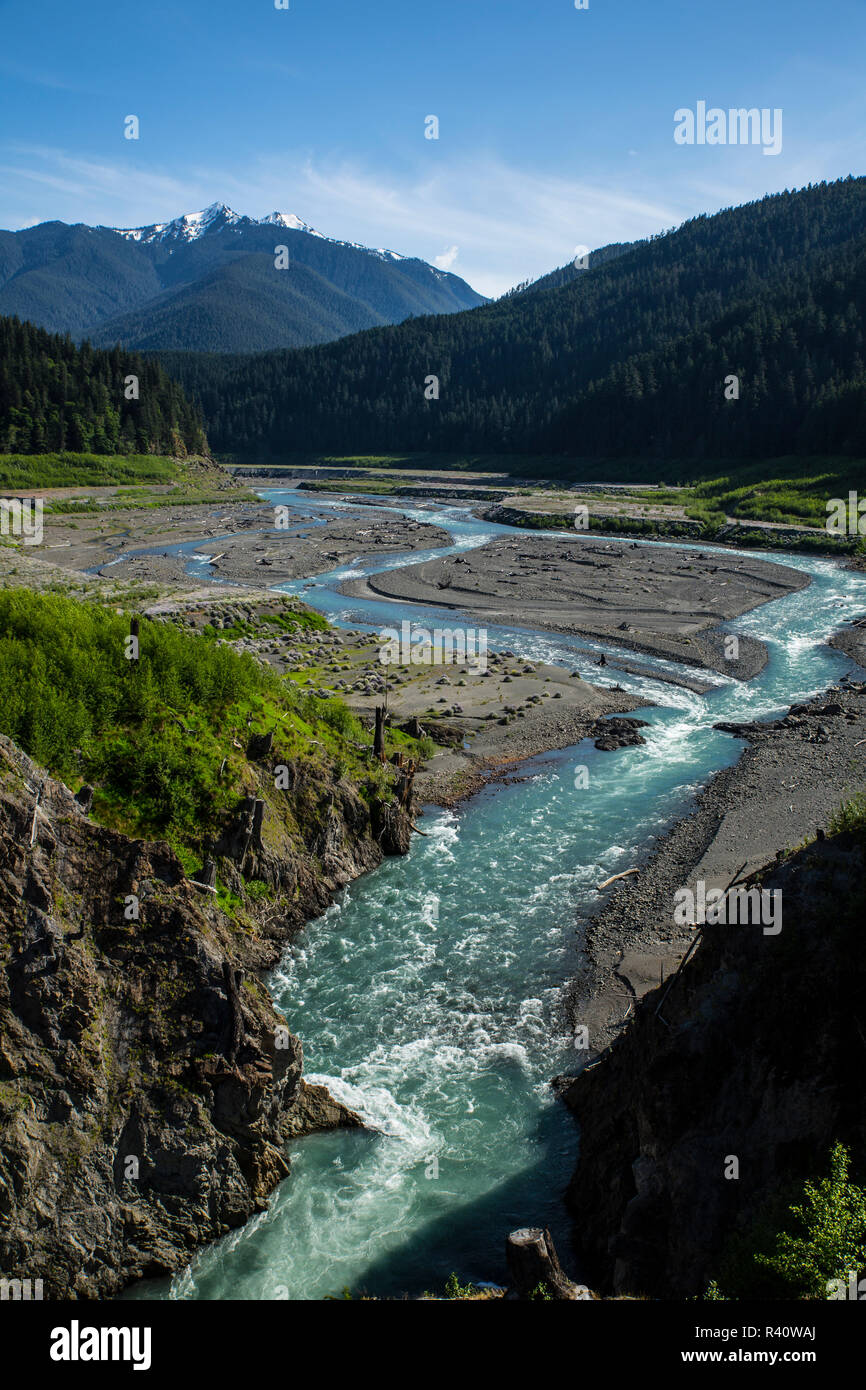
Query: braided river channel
point(429, 996)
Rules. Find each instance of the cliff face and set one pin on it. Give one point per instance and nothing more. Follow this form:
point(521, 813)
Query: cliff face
point(757, 1052)
point(147, 1085)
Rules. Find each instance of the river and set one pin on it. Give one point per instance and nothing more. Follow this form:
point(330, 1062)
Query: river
point(428, 997)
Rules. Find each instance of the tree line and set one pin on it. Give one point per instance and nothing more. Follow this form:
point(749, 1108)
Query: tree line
point(635, 355)
point(57, 396)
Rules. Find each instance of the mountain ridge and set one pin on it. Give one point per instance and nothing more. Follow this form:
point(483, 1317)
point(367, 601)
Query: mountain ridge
point(629, 357)
point(214, 218)
point(210, 281)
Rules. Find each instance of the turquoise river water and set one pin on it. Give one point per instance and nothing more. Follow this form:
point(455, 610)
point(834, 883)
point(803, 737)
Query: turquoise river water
point(428, 997)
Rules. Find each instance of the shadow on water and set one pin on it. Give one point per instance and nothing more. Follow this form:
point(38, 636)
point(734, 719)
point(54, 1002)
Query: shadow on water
point(470, 1241)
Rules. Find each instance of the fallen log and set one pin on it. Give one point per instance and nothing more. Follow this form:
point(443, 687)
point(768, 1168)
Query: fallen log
point(613, 879)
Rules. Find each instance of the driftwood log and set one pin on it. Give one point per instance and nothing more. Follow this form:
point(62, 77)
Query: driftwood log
point(533, 1261)
point(608, 881)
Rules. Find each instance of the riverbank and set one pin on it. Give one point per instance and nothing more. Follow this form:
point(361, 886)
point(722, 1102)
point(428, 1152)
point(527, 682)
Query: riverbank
point(663, 601)
point(429, 993)
point(670, 524)
point(787, 784)
point(484, 723)
point(270, 548)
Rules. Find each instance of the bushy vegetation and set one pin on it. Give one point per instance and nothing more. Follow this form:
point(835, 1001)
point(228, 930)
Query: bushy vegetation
point(151, 735)
point(57, 396)
point(850, 817)
point(799, 1244)
point(796, 498)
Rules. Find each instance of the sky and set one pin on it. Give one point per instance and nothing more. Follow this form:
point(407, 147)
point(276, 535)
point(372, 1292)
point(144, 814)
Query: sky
point(556, 126)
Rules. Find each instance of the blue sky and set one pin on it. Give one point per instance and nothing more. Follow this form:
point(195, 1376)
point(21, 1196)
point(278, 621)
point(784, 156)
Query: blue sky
point(556, 125)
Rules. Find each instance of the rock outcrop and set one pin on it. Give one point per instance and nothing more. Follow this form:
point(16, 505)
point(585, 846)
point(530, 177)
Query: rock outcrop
point(755, 1051)
point(148, 1087)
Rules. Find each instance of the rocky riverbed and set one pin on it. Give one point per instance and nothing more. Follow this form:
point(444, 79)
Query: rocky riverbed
point(661, 600)
point(252, 542)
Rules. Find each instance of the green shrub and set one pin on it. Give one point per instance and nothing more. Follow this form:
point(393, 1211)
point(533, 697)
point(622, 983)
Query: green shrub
point(150, 735)
point(851, 816)
point(798, 1245)
point(454, 1289)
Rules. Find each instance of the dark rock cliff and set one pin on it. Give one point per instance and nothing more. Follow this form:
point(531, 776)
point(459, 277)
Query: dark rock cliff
point(756, 1052)
point(147, 1085)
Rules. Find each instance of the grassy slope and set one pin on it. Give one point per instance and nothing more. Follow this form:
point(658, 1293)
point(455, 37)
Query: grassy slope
point(151, 736)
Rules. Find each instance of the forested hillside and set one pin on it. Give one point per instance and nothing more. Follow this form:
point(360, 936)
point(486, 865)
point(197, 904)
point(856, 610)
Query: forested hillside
point(56, 396)
point(629, 356)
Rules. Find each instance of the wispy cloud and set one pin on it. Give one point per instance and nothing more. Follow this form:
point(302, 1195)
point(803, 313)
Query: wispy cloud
point(38, 78)
point(447, 259)
point(509, 223)
point(95, 191)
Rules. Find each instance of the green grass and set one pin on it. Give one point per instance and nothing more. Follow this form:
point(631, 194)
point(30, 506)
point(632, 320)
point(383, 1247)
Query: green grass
point(795, 494)
point(850, 817)
point(84, 470)
point(151, 735)
point(163, 740)
point(191, 481)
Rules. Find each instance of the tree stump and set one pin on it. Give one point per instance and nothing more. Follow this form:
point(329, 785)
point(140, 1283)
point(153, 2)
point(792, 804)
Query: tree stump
point(379, 736)
point(207, 875)
point(532, 1260)
point(404, 791)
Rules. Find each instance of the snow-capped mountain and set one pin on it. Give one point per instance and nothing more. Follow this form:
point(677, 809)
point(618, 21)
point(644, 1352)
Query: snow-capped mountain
point(207, 281)
point(188, 227)
point(192, 225)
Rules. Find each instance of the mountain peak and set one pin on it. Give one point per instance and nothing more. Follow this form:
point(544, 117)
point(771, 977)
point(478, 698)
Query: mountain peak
point(188, 227)
point(192, 225)
point(287, 219)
